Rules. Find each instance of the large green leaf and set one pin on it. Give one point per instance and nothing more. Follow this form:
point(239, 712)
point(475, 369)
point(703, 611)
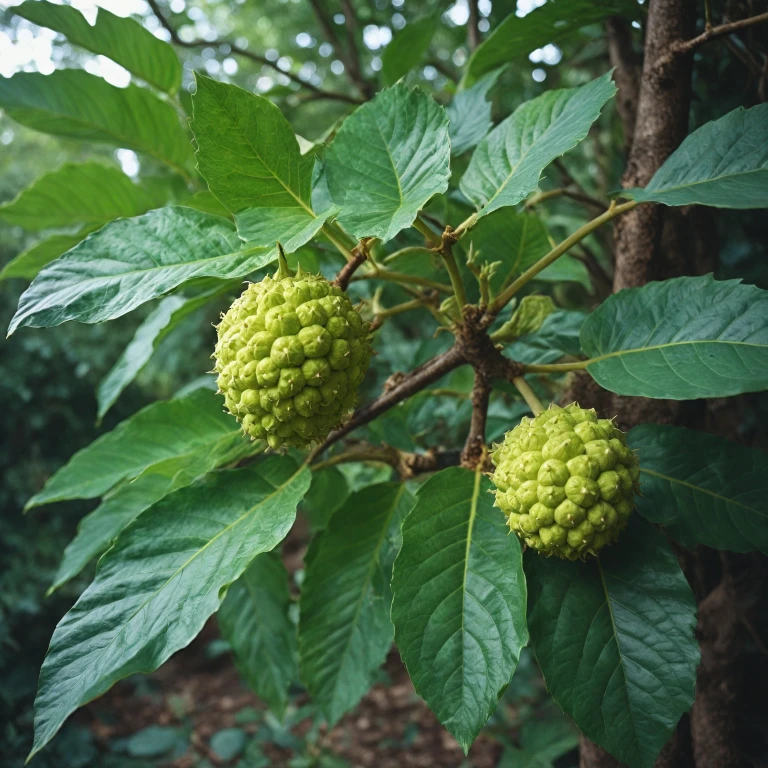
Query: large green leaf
point(701, 488)
point(254, 619)
point(73, 103)
point(345, 630)
point(408, 48)
point(329, 490)
point(248, 154)
point(682, 339)
point(132, 261)
point(98, 529)
point(614, 637)
point(166, 574)
point(516, 37)
point(156, 326)
point(507, 164)
point(28, 263)
point(165, 430)
point(557, 337)
point(724, 164)
point(517, 241)
point(76, 193)
point(388, 159)
point(470, 114)
point(123, 40)
point(459, 600)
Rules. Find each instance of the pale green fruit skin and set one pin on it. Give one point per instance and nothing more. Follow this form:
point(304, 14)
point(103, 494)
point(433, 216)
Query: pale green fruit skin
point(566, 481)
point(290, 355)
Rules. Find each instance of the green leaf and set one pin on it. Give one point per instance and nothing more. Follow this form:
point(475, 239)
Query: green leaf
point(614, 637)
point(470, 113)
point(76, 193)
point(166, 574)
point(508, 163)
point(723, 164)
point(408, 48)
point(156, 326)
point(28, 263)
point(517, 241)
point(73, 103)
point(164, 430)
point(121, 506)
point(329, 490)
point(681, 339)
point(254, 620)
point(557, 337)
point(345, 631)
point(132, 261)
point(701, 488)
point(543, 742)
point(387, 160)
point(248, 154)
point(515, 38)
point(459, 600)
point(123, 40)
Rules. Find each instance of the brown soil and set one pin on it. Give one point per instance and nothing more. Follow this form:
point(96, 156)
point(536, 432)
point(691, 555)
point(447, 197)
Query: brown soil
point(391, 728)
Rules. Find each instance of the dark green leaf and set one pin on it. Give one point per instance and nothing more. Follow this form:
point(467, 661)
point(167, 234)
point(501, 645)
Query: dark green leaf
point(470, 114)
point(152, 741)
point(98, 529)
point(28, 263)
point(407, 48)
point(132, 261)
point(681, 339)
point(345, 630)
point(229, 743)
point(507, 164)
point(327, 493)
point(614, 637)
point(557, 337)
point(73, 103)
point(459, 600)
point(167, 573)
point(123, 40)
point(76, 193)
point(388, 159)
point(254, 619)
point(248, 154)
point(157, 325)
point(723, 164)
point(165, 430)
point(515, 38)
point(701, 488)
point(543, 742)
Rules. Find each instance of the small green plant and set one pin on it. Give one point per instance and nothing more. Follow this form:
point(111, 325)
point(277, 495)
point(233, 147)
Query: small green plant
point(193, 514)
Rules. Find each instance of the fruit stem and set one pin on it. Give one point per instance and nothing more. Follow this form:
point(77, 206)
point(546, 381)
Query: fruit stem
point(524, 388)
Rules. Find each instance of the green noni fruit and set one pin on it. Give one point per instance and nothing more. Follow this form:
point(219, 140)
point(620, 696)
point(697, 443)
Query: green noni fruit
point(291, 353)
point(566, 481)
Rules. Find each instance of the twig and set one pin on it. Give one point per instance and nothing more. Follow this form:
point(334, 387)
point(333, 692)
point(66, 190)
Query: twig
point(444, 248)
point(502, 299)
point(356, 72)
point(474, 448)
point(401, 277)
point(359, 255)
point(406, 463)
point(409, 384)
point(319, 93)
point(564, 192)
point(524, 388)
point(684, 46)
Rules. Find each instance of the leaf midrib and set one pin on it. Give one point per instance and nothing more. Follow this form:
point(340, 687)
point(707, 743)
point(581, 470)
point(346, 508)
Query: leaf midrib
point(704, 181)
point(705, 491)
point(638, 350)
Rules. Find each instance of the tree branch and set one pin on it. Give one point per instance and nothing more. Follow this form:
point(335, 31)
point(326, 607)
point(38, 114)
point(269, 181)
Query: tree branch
point(319, 93)
point(684, 46)
point(359, 255)
point(474, 452)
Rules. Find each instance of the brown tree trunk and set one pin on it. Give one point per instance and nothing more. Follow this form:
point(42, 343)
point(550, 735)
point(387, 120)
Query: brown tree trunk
point(654, 242)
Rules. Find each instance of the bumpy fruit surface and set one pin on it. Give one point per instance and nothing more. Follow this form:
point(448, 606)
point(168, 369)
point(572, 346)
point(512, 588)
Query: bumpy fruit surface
point(566, 481)
point(291, 353)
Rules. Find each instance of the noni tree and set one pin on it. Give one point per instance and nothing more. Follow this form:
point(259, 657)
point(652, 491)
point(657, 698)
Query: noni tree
point(501, 512)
